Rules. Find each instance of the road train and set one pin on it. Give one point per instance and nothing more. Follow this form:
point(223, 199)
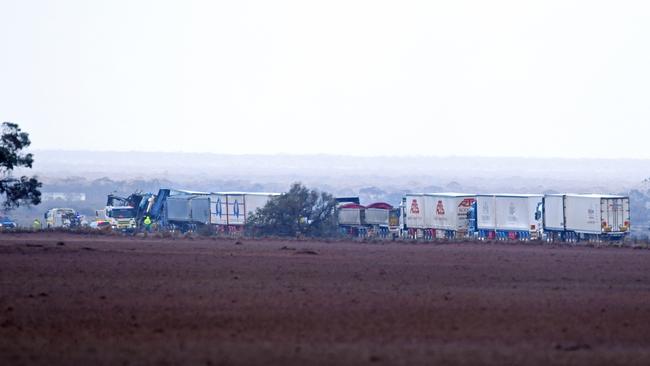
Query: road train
point(551, 217)
point(428, 216)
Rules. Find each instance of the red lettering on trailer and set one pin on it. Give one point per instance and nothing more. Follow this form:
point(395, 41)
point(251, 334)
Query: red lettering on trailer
point(440, 208)
point(467, 202)
point(414, 207)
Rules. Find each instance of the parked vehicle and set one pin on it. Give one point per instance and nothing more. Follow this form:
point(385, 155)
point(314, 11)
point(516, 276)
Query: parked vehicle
point(6, 223)
point(120, 217)
point(351, 218)
point(508, 216)
point(230, 210)
point(187, 211)
point(100, 224)
point(62, 218)
point(568, 217)
point(378, 219)
point(592, 217)
point(437, 215)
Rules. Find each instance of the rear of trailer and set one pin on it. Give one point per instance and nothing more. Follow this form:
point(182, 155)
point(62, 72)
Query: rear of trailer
point(378, 214)
point(378, 218)
point(351, 214)
point(573, 217)
point(351, 219)
point(509, 216)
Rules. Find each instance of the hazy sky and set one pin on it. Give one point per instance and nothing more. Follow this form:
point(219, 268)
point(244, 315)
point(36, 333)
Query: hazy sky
point(487, 78)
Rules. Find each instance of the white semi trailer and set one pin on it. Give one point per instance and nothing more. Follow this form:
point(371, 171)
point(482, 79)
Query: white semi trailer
point(437, 215)
point(230, 210)
point(592, 217)
point(509, 216)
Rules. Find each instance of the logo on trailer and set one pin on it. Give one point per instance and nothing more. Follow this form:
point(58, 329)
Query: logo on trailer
point(467, 202)
point(512, 209)
point(218, 209)
point(414, 207)
point(235, 209)
point(591, 214)
point(440, 208)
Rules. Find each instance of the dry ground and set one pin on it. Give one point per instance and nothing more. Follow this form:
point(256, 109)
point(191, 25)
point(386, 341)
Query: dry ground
point(73, 299)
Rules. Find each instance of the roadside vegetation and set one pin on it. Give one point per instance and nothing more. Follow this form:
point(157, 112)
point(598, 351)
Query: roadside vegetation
point(16, 191)
point(299, 212)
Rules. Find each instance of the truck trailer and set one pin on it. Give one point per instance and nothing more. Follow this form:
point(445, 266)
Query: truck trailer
point(376, 219)
point(591, 217)
point(351, 218)
point(437, 215)
point(190, 209)
point(230, 210)
point(508, 216)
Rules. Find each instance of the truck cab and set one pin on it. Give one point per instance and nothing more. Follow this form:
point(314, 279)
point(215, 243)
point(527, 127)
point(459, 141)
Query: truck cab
point(120, 217)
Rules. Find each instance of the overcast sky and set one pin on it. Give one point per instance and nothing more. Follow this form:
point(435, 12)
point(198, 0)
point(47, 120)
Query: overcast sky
point(484, 78)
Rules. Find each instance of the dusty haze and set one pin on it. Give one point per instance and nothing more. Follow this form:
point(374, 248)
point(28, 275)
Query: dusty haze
point(482, 174)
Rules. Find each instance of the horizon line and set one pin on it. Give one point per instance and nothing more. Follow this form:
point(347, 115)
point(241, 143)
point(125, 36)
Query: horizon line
point(286, 154)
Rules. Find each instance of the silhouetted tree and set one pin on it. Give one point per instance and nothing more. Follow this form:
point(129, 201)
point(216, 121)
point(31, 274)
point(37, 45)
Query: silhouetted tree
point(16, 191)
point(298, 212)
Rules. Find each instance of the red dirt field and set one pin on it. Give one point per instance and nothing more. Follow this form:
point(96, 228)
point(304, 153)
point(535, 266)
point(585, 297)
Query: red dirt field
point(73, 299)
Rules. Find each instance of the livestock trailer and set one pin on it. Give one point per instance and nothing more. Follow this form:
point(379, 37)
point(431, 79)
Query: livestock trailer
point(437, 215)
point(508, 216)
point(593, 217)
point(230, 210)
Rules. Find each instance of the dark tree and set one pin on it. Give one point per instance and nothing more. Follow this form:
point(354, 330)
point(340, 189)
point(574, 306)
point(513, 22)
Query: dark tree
point(16, 191)
point(298, 212)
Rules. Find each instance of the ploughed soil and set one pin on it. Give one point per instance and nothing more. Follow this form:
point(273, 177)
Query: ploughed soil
point(109, 300)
